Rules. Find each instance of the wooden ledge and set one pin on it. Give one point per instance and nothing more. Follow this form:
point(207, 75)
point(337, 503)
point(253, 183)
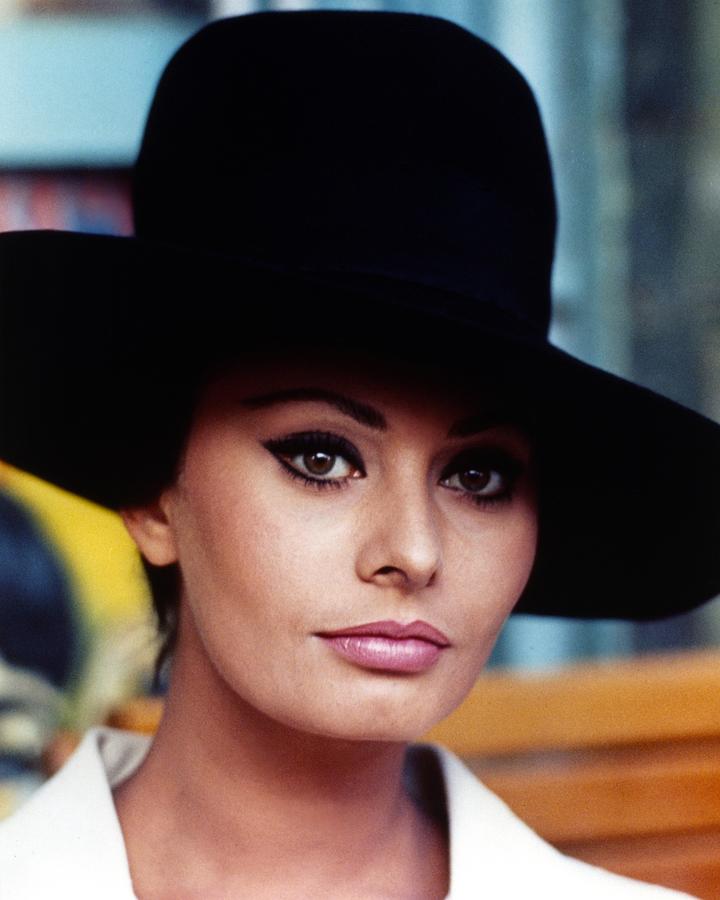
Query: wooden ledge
point(655, 698)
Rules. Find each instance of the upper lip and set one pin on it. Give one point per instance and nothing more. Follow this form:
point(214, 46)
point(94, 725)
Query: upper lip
point(390, 629)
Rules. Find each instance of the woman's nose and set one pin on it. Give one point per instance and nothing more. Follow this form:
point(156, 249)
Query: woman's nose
point(400, 545)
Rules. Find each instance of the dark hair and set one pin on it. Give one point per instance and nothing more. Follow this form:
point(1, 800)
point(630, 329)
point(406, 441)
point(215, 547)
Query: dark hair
point(155, 470)
point(164, 584)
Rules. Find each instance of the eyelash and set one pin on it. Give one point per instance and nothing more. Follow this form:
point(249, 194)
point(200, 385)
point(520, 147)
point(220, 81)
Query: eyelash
point(314, 442)
point(485, 459)
point(492, 459)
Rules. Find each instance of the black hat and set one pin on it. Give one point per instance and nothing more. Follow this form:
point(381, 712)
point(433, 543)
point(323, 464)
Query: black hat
point(392, 166)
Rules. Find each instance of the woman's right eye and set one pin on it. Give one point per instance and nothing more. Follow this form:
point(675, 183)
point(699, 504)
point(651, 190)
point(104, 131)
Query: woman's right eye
point(321, 464)
point(322, 459)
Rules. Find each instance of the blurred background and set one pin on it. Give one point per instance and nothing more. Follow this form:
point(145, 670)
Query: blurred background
point(628, 91)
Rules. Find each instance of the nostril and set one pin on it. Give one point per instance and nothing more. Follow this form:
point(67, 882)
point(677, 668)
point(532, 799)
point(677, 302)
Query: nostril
point(387, 570)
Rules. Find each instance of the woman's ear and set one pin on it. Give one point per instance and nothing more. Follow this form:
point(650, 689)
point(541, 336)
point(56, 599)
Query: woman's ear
point(150, 528)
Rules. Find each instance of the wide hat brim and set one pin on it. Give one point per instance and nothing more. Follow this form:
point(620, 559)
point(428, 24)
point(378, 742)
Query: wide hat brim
point(104, 341)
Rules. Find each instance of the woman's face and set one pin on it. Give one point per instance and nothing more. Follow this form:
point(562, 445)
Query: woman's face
point(351, 538)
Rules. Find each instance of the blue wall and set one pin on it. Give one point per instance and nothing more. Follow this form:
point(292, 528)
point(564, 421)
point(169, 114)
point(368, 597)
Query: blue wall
point(75, 91)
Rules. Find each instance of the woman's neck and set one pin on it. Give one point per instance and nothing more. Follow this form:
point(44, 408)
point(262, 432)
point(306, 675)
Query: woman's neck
point(230, 802)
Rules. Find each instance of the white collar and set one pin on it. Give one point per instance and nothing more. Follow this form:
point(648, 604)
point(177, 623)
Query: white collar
point(66, 841)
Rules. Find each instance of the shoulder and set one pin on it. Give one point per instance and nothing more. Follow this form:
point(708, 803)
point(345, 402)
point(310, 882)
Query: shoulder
point(493, 853)
point(66, 841)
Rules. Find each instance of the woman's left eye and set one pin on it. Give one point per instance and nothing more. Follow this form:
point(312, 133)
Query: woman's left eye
point(483, 480)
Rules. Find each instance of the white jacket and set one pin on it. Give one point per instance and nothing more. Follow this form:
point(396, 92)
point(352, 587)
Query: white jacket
point(65, 843)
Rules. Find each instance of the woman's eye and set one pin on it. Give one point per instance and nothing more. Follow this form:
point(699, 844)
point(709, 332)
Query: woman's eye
point(320, 459)
point(488, 482)
point(483, 480)
point(321, 464)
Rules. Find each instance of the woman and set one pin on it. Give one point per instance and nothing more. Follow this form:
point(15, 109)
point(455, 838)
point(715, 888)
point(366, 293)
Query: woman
point(318, 386)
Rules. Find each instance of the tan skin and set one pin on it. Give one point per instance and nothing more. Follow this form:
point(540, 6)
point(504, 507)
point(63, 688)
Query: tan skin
point(278, 767)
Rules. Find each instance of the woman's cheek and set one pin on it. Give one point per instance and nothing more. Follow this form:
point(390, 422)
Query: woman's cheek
point(489, 579)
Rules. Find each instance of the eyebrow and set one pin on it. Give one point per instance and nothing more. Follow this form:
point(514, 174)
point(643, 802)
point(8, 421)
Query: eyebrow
point(483, 421)
point(368, 415)
point(361, 412)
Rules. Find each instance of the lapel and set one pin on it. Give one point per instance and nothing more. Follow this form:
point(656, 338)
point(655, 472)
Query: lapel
point(66, 842)
point(494, 855)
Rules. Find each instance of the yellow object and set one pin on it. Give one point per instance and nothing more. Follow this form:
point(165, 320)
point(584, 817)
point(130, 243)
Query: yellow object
point(101, 559)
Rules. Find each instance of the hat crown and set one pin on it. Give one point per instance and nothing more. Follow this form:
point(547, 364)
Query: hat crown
point(385, 143)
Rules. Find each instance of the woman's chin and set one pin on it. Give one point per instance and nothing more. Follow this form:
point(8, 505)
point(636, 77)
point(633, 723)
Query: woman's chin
point(388, 719)
point(360, 731)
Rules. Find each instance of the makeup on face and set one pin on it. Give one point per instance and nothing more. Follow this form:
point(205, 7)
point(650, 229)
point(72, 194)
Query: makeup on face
point(324, 460)
point(351, 540)
point(388, 646)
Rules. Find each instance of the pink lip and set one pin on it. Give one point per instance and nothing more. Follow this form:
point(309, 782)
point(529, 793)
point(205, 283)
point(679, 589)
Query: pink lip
point(389, 646)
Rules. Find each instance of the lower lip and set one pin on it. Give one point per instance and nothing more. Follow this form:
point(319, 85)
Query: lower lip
point(386, 654)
